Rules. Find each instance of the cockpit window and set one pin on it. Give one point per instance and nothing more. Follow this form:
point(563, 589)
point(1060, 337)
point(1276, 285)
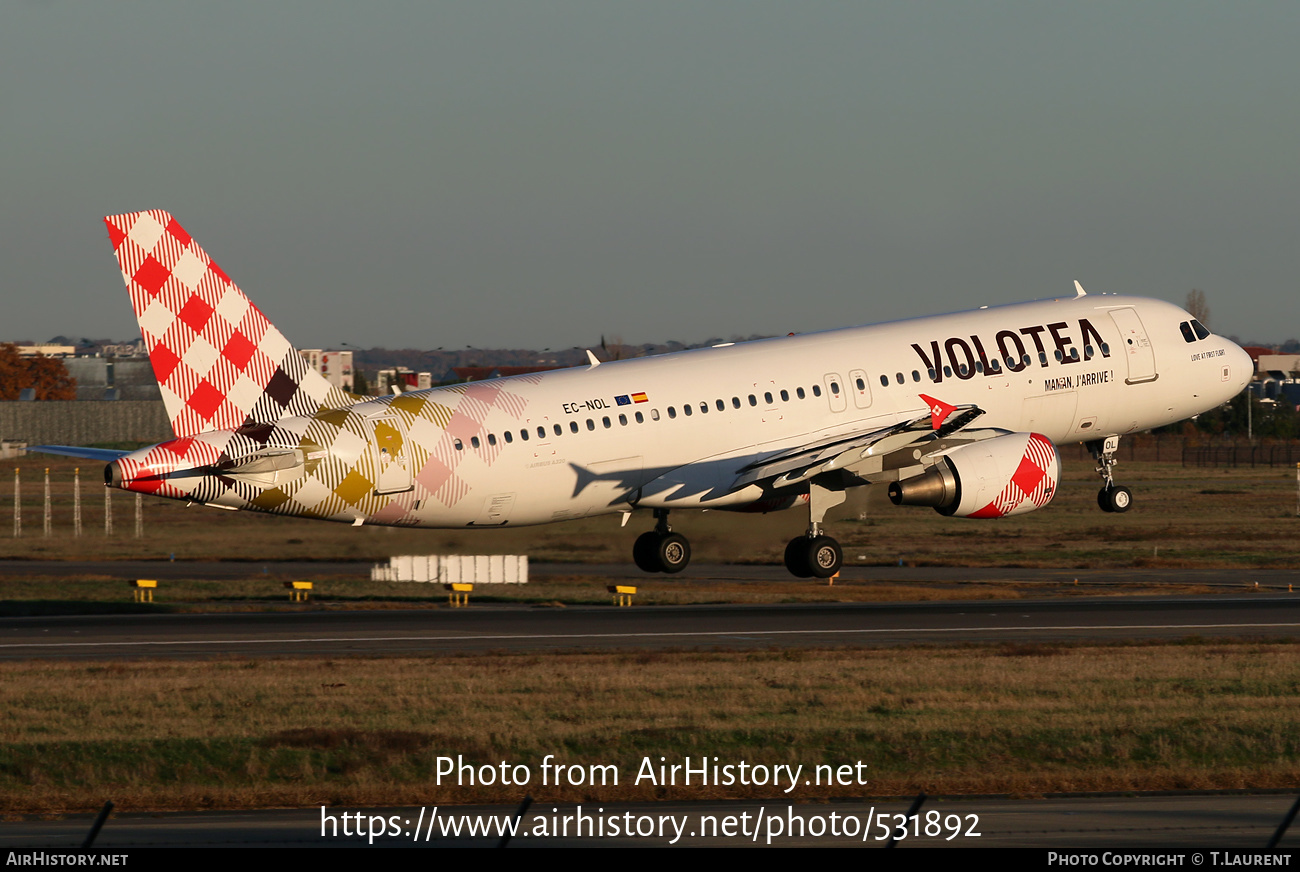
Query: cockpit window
point(1187, 331)
point(1201, 330)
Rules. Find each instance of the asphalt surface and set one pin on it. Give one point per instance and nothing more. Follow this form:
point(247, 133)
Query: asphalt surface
point(357, 569)
point(515, 628)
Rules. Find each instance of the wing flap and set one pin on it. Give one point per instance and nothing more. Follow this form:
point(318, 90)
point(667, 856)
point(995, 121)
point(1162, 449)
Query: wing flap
point(797, 465)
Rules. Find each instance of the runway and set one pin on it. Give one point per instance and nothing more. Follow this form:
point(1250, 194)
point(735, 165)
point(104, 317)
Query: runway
point(519, 628)
point(1273, 579)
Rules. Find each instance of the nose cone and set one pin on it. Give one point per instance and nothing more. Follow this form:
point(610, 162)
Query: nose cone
point(1238, 371)
point(1243, 367)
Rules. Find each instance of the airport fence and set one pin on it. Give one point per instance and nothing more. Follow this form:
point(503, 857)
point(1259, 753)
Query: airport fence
point(1243, 454)
point(84, 422)
point(1198, 451)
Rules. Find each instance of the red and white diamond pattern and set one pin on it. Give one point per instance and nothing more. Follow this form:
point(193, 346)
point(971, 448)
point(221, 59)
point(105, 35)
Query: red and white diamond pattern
point(1031, 486)
point(147, 470)
point(213, 351)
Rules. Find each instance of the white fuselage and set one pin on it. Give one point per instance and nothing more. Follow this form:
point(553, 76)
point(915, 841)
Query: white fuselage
point(689, 420)
point(674, 431)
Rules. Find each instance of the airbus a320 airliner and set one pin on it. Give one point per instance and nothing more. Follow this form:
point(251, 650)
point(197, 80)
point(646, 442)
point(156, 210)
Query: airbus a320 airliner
point(959, 412)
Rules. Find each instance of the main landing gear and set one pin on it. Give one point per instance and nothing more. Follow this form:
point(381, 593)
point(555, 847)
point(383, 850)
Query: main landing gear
point(1111, 497)
point(814, 554)
point(660, 549)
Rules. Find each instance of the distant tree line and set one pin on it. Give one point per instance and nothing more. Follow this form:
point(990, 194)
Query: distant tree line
point(47, 375)
point(1278, 420)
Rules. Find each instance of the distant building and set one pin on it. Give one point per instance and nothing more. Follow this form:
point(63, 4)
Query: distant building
point(109, 378)
point(403, 380)
point(1256, 350)
point(1277, 377)
point(479, 373)
point(126, 349)
point(47, 350)
point(336, 366)
point(1281, 367)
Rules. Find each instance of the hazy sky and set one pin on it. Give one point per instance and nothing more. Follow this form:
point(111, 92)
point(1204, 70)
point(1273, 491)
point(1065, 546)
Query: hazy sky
point(539, 173)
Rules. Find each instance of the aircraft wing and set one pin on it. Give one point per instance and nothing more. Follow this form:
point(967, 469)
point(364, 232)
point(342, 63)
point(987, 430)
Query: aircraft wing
point(855, 453)
point(106, 454)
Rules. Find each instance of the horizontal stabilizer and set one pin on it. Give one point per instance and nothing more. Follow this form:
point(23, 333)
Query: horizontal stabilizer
point(107, 455)
point(269, 467)
point(263, 462)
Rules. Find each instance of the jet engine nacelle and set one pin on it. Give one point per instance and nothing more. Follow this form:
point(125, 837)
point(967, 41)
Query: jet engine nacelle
point(1005, 475)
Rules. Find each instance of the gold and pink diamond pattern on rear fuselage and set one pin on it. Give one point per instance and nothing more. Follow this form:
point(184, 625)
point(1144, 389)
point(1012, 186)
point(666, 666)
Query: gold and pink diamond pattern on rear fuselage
point(338, 478)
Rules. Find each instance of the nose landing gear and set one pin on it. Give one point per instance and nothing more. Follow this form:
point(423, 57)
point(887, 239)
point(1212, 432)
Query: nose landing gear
point(1111, 497)
point(1115, 499)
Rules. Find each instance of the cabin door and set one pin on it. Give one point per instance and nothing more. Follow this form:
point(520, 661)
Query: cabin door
point(1136, 346)
point(392, 460)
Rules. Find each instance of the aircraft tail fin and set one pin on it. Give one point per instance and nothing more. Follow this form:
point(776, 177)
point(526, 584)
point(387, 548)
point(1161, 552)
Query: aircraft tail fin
point(219, 362)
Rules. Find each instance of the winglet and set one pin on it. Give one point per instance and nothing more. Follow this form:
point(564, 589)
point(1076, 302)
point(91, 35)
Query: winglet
point(939, 410)
point(595, 361)
point(1078, 287)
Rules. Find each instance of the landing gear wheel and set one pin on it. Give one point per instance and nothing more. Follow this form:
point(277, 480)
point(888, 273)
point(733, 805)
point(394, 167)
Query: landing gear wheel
point(1115, 499)
point(673, 552)
point(643, 552)
point(824, 557)
point(796, 557)
point(1111, 497)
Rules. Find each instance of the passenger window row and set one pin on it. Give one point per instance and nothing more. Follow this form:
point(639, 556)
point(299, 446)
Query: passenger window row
point(689, 409)
point(606, 423)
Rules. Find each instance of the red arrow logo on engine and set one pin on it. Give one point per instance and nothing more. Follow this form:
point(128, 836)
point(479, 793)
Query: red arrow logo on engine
point(939, 410)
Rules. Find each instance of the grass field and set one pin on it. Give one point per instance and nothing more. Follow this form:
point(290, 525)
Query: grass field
point(1022, 719)
point(1181, 518)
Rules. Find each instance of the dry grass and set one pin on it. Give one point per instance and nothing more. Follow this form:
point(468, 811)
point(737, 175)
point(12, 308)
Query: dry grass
point(1011, 718)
